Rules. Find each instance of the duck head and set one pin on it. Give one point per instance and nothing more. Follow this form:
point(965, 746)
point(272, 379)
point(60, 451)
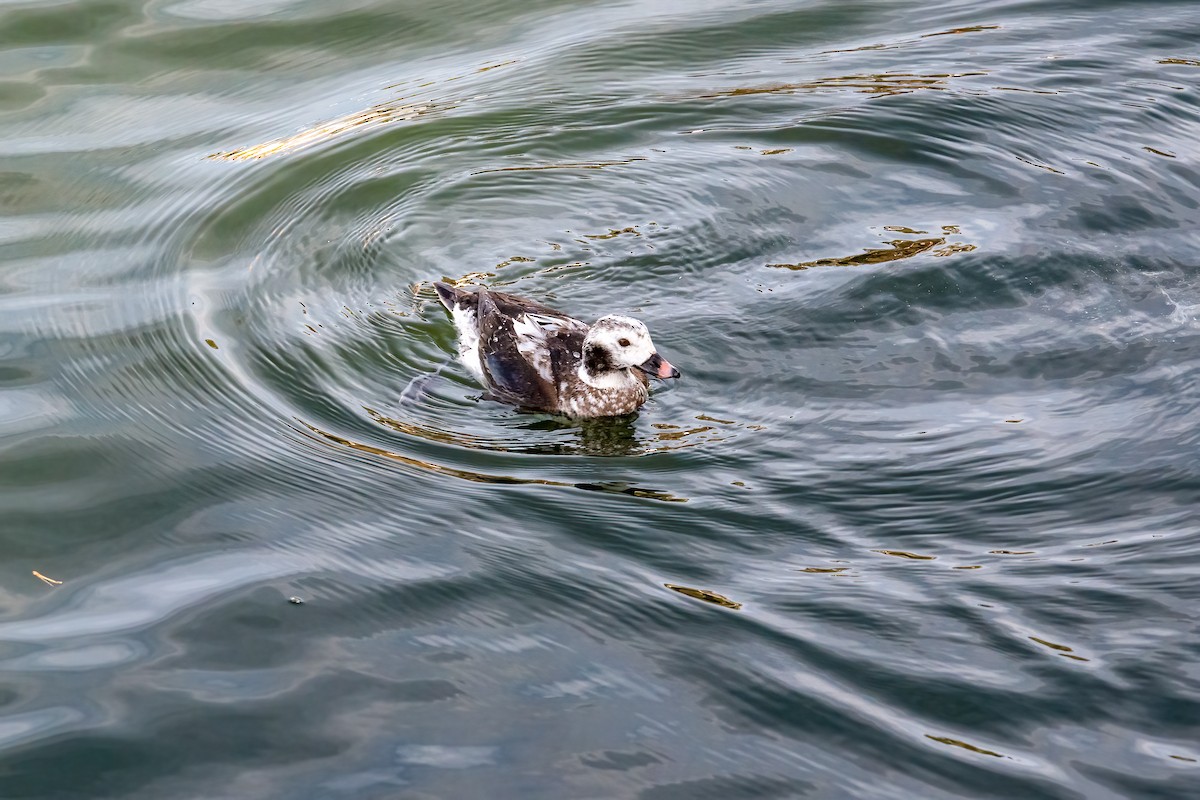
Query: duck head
point(616, 344)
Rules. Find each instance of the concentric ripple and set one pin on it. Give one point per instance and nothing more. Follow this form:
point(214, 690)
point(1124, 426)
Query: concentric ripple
point(919, 519)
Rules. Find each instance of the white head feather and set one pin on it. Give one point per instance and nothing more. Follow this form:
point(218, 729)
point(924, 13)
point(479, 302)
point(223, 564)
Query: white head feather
point(626, 343)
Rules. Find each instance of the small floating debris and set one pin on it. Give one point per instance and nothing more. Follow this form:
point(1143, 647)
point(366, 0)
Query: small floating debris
point(968, 29)
point(963, 745)
point(705, 595)
point(823, 570)
point(1061, 649)
point(1051, 645)
point(296, 601)
point(45, 580)
point(904, 554)
point(1046, 167)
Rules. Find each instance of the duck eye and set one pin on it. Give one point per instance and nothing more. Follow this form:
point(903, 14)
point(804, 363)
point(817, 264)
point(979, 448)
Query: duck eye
point(623, 342)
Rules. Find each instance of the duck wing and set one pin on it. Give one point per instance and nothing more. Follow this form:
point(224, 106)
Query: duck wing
point(509, 305)
point(515, 355)
point(524, 347)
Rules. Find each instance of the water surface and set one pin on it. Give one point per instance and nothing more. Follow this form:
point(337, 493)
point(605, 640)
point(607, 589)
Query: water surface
point(920, 519)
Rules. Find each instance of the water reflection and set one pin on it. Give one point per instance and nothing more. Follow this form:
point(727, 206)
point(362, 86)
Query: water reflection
point(897, 250)
point(887, 84)
point(613, 436)
point(568, 165)
point(964, 745)
point(46, 580)
point(706, 595)
point(373, 117)
point(378, 115)
point(910, 41)
point(483, 477)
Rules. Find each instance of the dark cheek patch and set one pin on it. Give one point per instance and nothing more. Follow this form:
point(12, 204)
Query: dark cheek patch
point(596, 360)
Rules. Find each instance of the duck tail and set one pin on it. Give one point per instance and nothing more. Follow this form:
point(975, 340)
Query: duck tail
point(450, 296)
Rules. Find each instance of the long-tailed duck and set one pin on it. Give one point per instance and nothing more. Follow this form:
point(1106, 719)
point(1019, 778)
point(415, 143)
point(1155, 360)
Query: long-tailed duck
point(539, 359)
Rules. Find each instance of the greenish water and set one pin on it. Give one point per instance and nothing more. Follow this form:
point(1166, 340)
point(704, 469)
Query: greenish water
point(919, 521)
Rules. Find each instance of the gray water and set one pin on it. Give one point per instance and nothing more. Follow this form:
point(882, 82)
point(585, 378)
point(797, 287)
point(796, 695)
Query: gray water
point(919, 520)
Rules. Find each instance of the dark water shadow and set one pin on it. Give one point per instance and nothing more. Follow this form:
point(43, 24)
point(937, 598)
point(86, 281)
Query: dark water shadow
point(613, 487)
